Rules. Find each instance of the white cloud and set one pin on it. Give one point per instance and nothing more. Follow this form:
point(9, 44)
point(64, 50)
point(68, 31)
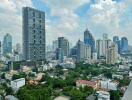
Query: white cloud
point(105, 16)
point(68, 22)
point(68, 4)
point(11, 19)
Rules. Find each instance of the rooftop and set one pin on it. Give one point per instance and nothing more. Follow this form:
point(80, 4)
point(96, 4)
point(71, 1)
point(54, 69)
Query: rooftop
point(86, 82)
point(20, 79)
point(62, 98)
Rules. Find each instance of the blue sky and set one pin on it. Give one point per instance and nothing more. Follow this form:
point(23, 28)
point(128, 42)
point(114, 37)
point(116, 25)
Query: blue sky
point(70, 18)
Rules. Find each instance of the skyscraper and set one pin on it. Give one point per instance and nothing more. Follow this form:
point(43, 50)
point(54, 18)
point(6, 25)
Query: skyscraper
point(106, 44)
point(17, 48)
point(64, 45)
point(7, 44)
point(89, 40)
point(105, 36)
point(112, 54)
point(99, 48)
point(0, 50)
point(83, 51)
point(55, 45)
point(59, 54)
point(33, 34)
point(124, 44)
point(115, 39)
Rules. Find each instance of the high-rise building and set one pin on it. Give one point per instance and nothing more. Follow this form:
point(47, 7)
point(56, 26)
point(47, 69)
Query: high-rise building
point(106, 44)
point(73, 52)
point(112, 54)
point(89, 40)
point(115, 39)
point(83, 51)
point(124, 44)
point(17, 49)
point(7, 44)
point(99, 48)
point(59, 54)
point(33, 34)
point(105, 37)
point(64, 45)
point(55, 45)
point(0, 50)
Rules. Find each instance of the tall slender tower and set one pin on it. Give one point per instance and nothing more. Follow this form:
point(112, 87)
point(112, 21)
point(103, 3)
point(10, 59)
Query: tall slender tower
point(89, 40)
point(99, 48)
point(7, 44)
point(33, 34)
point(63, 43)
point(124, 44)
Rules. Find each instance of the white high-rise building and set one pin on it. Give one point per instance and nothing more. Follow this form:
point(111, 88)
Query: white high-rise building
point(99, 48)
point(83, 51)
point(112, 54)
point(106, 44)
point(55, 45)
point(105, 37)
point(63, 43)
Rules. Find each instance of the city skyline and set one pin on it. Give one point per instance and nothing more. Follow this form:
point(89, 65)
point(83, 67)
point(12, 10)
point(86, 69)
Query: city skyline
point(70, 20)
point(65, 49)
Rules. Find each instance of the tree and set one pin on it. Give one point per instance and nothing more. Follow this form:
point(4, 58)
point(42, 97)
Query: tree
point(9, 91)
point(3, 76)
point(58, 83)
point(114, 95)
point(38, 92)
point(124, 82)
point(17, 76)
point(16, 65)
point(31, 75)
point(108, 75)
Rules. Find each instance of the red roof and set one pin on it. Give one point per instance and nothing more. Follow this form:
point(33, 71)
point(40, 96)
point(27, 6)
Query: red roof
point(90, 83)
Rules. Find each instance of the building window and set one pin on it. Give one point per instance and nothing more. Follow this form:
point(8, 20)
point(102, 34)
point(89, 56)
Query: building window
point(39, 26)
point(33, 14)
point(34, 41)
point(39, 15)
point(34, 36)
point(33, 31)
point(34, 20)
point(34, 53)
point(33, 25)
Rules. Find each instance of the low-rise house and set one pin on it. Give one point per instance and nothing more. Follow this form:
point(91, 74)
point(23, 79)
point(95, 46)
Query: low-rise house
point(16, 84)
point(10, 74)
point(117, 76)
point(68, 64)
point(83, 83)
point(109, 85)
point(62, 98)
point(10, 97)
point(26, 69)
point(103, 95)
point(45, 67)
